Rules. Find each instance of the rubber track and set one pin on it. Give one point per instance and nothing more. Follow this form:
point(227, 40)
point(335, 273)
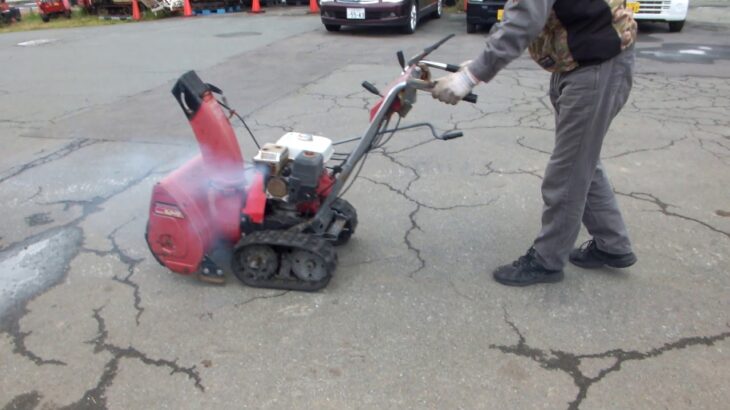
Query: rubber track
point(288, 240)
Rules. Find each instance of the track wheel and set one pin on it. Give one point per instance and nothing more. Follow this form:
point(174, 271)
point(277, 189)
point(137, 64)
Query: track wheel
point(308, 266)
point(255, 262)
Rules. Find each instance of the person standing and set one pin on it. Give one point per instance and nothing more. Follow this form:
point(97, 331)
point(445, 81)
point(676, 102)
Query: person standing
point(7, 13)
point(587, 45)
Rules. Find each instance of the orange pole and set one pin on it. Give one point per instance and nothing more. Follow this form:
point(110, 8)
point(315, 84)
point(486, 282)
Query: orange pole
point(135, 11)
point(187, 9)
point(313, 7)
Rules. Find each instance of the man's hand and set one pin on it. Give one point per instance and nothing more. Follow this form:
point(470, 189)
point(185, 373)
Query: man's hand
point(453, 87)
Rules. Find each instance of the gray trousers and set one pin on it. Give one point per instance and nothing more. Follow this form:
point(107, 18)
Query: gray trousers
point(575, 187)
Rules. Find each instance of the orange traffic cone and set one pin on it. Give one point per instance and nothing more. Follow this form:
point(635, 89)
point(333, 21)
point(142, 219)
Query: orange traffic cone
point(255, 7)
point(313, 7)
point(187, 9)
point(135, 11)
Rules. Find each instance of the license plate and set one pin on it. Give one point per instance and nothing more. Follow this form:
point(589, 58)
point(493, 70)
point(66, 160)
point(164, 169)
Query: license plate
point(633, 7)
point(500, 14)
point(356, 14)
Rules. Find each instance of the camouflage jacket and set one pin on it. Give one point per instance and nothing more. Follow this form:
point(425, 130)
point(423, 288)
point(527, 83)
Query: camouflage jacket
point(561, 34)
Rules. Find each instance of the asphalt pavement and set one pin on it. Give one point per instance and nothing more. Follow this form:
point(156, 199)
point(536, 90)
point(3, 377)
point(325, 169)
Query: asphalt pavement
point(412, 318)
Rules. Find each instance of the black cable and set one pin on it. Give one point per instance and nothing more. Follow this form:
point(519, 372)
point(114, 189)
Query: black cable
point(379, 135)
point(393, 130)
point(232, 111)
point(357, 174)
point(380, 145)
point(373, 144)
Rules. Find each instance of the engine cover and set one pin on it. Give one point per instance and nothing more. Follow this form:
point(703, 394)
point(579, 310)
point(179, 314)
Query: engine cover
point(298, 142)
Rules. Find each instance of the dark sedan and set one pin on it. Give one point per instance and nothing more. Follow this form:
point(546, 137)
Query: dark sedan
point(399, 13)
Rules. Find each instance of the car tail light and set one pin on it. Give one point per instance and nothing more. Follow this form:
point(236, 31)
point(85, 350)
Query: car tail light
point(168, 210)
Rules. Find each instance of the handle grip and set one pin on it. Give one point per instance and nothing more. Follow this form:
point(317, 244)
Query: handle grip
point(452, 68)
point(471, 97)
point(451, 135)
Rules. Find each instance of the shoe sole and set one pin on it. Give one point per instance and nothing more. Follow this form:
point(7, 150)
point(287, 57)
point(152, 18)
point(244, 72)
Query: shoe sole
point(599, 264)
point(554, 278)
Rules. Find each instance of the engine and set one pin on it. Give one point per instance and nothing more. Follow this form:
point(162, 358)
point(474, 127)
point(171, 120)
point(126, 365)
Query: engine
point(295, 166)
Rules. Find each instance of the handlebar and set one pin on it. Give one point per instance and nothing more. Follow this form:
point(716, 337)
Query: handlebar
point(426, 51)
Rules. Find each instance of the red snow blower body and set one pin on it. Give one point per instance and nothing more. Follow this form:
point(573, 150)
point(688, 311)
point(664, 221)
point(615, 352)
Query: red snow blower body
point(281, 216)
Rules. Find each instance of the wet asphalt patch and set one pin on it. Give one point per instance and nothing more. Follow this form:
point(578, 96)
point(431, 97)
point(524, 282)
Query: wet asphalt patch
point(31, 268)
point(686, 53)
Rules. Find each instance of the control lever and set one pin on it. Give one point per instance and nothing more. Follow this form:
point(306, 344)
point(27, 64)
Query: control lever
point(371, 88)
point(401, 59)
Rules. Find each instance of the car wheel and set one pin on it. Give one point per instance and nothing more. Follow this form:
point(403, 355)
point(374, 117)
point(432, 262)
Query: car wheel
point(471, 28)
point(439, 9)
point(412, 22)
point(676, 26)
point(332, 27)
point(46, 18)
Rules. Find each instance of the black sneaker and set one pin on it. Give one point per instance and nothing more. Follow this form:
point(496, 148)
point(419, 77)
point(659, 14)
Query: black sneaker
point(588, 256)
point(526, 270)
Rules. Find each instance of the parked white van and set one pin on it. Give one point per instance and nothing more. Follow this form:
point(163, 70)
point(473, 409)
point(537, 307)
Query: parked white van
point(673, 12)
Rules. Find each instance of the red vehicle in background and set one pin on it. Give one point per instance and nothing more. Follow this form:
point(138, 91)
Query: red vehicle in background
point(53, 8)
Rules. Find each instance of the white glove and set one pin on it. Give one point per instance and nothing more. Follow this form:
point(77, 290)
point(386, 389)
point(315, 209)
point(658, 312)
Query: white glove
point(453, 87)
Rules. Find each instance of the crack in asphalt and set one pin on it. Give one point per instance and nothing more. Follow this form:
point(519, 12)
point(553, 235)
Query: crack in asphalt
point(18, 341)
point(412, 215)
point(491, 170)
point(89, 207)
point(131, 264)
point(664, 209)
point(704, 145)
point(569, 363)
point(62, 152)
point(95, 398)
point(531, 148)
point(670, 144)
point(10, 320)
point(255, 298)
point(24, 401)
point(36, 194)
